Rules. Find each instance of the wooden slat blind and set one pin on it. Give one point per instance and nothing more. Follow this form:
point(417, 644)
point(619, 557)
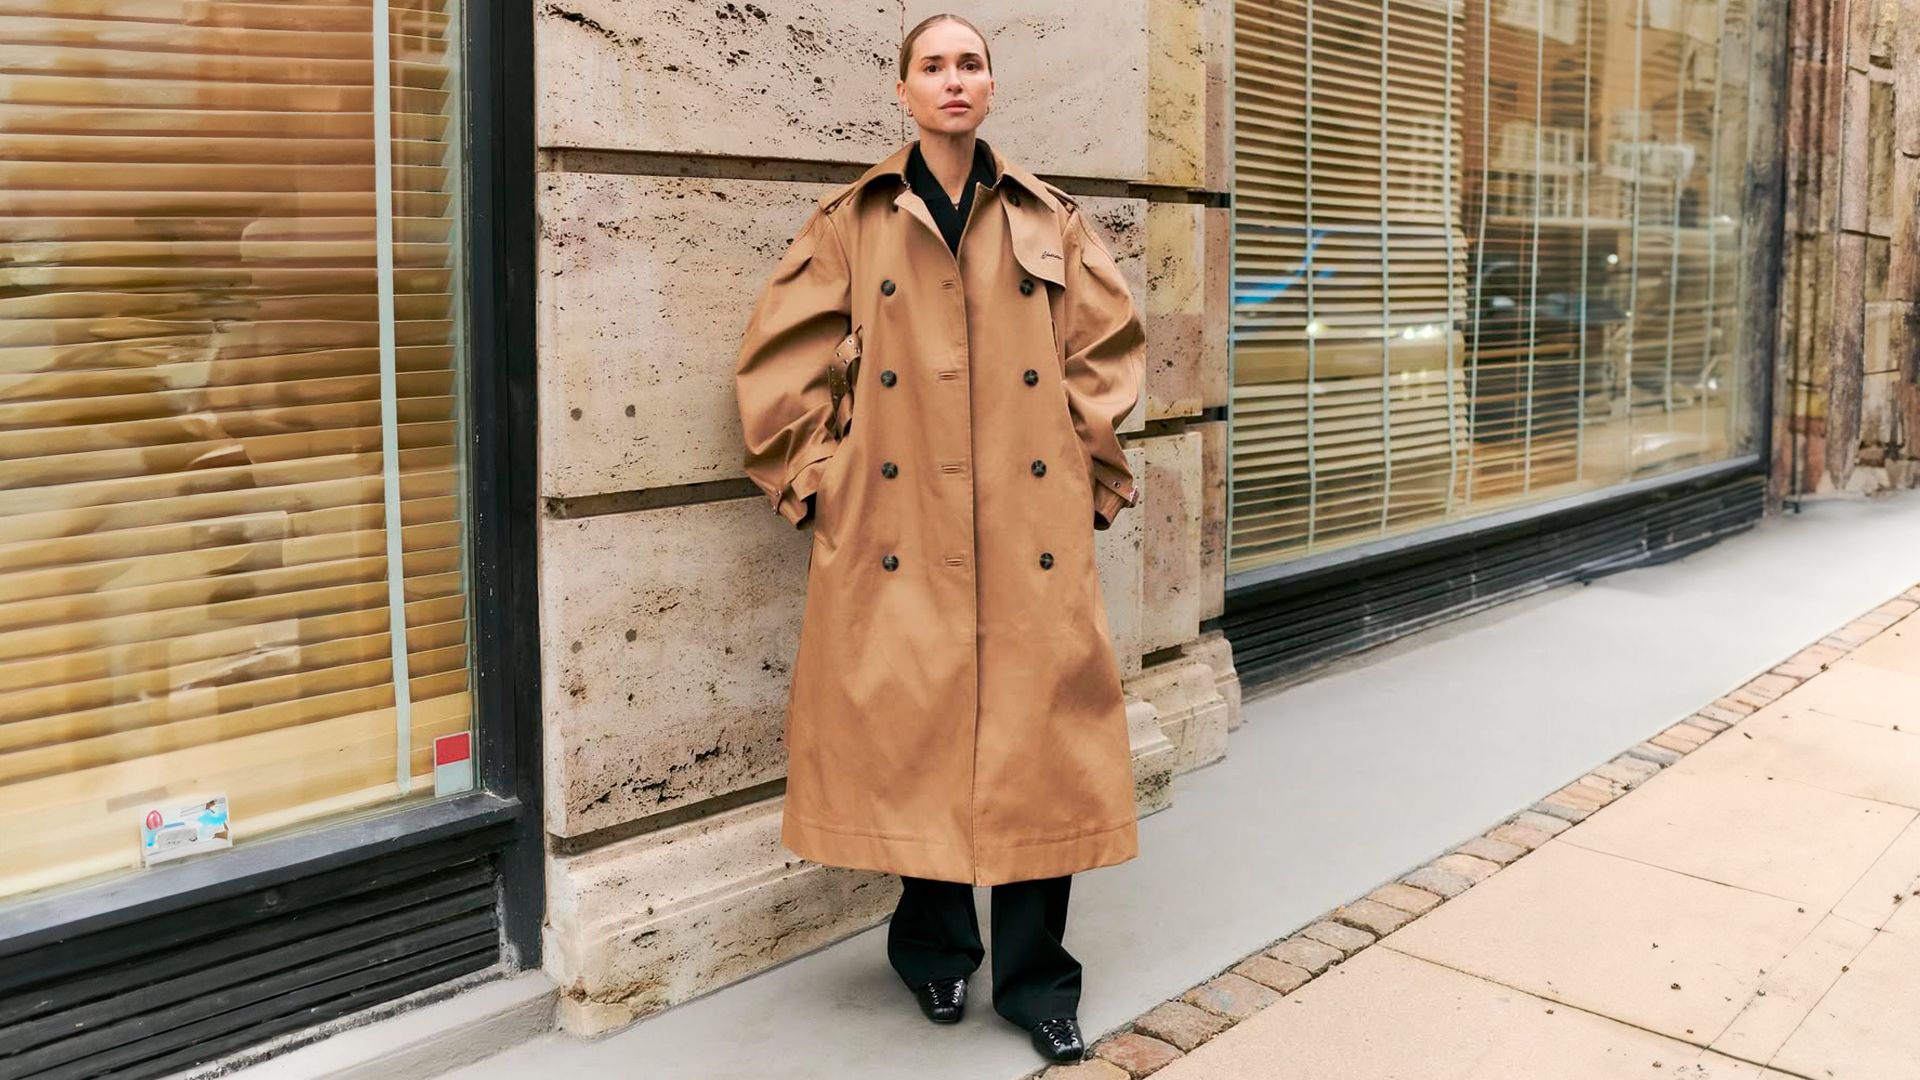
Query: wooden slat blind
point(193, 554)
point(1483, 255)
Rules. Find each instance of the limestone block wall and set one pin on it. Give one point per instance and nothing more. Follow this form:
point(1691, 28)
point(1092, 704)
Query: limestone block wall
point(681, 147)
point(1847, 388)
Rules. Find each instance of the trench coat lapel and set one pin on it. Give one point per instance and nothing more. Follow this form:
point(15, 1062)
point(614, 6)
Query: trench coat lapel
point(915, 205)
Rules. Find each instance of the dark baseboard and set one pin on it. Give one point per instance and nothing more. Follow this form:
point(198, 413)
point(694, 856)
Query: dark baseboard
point(1285, 624)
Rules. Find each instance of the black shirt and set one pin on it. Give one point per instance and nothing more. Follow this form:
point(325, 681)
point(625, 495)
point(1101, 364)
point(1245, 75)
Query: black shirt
point(951, 219)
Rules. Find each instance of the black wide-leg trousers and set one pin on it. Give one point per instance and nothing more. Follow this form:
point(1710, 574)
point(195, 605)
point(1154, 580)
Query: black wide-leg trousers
point(935, 934)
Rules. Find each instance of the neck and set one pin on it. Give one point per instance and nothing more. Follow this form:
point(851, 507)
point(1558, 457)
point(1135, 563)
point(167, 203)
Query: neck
point(949, 158)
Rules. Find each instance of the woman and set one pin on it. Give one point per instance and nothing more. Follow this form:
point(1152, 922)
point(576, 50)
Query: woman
point(930, 380)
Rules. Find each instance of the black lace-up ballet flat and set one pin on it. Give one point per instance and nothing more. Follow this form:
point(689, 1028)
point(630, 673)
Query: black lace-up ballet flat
point(943, 1000)
point(1058, 1039)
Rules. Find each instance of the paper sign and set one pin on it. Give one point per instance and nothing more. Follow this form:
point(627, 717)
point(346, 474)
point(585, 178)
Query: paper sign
point(185, 827)
point(453, 763)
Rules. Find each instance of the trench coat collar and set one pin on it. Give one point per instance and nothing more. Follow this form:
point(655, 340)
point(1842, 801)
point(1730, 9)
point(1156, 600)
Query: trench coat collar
point(1033, 221)
point(894, 168)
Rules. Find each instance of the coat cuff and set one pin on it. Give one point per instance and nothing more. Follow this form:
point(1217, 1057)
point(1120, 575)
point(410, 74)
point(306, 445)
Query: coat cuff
point(1107, 504)
point(794, 502)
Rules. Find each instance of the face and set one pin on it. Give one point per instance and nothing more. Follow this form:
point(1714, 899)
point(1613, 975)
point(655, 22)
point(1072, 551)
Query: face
point(947, 88)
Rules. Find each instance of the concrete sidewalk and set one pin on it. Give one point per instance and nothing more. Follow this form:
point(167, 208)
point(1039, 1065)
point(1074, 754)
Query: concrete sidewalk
point(1745, 912)
point(1329, 788)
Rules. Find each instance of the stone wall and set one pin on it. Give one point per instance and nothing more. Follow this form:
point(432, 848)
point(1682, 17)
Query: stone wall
point(1847, 388)
point(681, 146)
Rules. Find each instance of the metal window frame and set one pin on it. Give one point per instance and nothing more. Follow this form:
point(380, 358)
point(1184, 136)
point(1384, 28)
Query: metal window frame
point(505, 812)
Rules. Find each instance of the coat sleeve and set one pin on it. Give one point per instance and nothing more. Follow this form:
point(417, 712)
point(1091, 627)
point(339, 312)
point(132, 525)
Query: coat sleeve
point(780, 374)
point(1106, 357)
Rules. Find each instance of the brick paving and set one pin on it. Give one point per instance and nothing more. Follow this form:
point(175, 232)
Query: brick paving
point(1165, 1033)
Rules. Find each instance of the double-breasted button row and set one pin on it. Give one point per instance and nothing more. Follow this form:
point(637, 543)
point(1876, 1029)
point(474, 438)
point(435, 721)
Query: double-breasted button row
point(887, 286)
point(1029, 376)
point(892, 562)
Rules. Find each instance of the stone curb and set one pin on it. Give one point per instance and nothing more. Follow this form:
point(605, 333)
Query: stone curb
point(1169, 1030)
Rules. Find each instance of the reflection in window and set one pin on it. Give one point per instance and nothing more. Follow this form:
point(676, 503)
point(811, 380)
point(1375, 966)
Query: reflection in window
point(1486, 254)
point(196, 595)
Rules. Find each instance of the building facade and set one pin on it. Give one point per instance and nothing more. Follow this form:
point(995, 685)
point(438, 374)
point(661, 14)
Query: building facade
point(383, 606)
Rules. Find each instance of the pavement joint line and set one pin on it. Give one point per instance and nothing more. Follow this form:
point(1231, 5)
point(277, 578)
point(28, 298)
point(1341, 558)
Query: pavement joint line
point(1796, 901)
point(1558, 1003)
point(1848, 794)
point(1851, 720)
point(1814, 1005)
point(1760, 691)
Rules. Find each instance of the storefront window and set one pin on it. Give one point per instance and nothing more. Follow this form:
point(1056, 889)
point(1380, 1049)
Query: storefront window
point(230, 427)
point(1486, 254)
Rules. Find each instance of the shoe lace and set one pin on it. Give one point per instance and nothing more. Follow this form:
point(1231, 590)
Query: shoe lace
point(1058, 1027)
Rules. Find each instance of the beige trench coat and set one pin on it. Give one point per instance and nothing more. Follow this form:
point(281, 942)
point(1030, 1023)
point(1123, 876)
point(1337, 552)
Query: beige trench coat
point(955, 710)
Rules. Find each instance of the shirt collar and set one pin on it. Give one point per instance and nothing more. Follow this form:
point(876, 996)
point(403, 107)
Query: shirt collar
point(918, 175)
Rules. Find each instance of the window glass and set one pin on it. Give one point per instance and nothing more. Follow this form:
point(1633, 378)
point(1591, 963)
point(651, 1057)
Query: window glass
point(1486, 254)
point(230, 380)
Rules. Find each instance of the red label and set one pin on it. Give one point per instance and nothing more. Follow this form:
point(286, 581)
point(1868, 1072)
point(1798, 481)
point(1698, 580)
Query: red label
point(451, 748)
point(153, 819)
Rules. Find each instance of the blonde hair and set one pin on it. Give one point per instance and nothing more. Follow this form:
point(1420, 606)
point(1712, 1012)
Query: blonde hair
point(906, 47)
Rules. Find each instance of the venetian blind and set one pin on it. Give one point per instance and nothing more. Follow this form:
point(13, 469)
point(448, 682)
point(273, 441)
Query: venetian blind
point(1485, 253)
point(193, 538)
point(1347, 271)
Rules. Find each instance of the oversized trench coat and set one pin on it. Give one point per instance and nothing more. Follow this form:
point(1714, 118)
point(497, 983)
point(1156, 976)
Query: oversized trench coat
point(955, 709)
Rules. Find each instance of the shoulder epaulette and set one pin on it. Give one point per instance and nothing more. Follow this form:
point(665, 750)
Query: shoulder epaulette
point(1066, 201)
point(838, 195)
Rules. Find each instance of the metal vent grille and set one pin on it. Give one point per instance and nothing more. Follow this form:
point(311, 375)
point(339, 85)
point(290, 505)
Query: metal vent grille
point(152, 997)
point(1282, 629)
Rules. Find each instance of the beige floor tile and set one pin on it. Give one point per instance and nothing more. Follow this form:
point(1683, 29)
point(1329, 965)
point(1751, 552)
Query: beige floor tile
point(1817, 843)
point(1790, 989)
point(1825, 751)
point(1864, 1028)
point(1887, 884)
point(1647, 946)
point(1897, 647)
point(1863, 692)
point(1387, 1016)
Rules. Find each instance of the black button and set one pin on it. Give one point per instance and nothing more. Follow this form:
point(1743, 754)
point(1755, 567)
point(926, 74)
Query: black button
point(1046, 560)
point(1031, 376)
point(1013, 197)
point(1026, 286)
point(886, 287)
point(889, 470)
point(891, 562)
point(1039, 467)
point(887, 377)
